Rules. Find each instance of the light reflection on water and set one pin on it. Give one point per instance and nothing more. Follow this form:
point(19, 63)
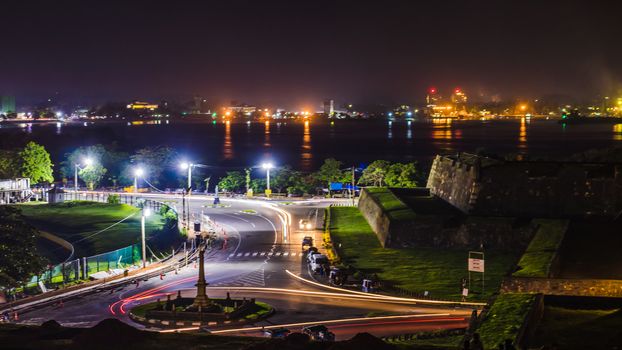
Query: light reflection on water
point(228, 144)
point(306, 155)
point(617, 132)
point(522, 134)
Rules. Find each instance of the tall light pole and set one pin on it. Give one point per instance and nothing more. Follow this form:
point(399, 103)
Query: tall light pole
point(87, 162)
point(138, 172)
point(145, 213)
point(188, 166)
point(267, 166)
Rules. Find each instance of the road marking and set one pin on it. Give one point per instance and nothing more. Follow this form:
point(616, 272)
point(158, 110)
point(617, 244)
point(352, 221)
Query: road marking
point(277, 254)
point(247, 254)
point(285, 253)
point(262, 253)
point(255, 254)
point(270, 254)
point(240, 254)
point(231, 255)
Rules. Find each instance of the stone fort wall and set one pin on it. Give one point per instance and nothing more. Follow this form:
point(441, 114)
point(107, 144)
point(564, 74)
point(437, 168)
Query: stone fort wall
point(482, 186)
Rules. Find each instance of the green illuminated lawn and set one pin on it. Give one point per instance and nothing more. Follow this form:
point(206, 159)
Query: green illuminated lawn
point(76, 220)
point(536, 262)
point(415, 269)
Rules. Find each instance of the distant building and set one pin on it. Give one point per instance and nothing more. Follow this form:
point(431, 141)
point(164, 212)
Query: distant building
point(329, 107)
point(200, 106)
point(14, 190)
point(490, 187)
point(7, 104)
point(459, 100)
point(138, 105)
point(433, 98)
point(244, 108)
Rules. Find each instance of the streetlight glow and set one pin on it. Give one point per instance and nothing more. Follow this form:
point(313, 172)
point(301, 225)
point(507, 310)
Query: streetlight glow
point(184, 165)
point(138, 172)
point(267, 165)
point(88, 161)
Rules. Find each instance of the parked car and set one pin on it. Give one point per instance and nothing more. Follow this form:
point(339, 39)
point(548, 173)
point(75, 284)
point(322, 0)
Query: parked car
point(318, 261)
point(276, 332)
point(307, 241)
point(319, 332)
point(310, 255)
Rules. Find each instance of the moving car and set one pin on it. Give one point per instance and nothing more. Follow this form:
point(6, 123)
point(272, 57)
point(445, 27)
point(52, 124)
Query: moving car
point(305, 224)
point(319, 332)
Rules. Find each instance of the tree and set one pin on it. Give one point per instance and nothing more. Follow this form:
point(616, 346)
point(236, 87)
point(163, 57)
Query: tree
point(92, 174)
point(19, 259)
point(110, 161)
point(8, 164)
point(248, 178)
point(232, 182)
point(282, 178)
point(403, 175)
point(375, 173)
point(155, 161)
point(34, 162)
point(329, 172)
point(258, 185)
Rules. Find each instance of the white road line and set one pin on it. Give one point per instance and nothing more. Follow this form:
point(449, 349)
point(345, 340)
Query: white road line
point(247, 254)
point(286, 254)
point(262, 253)
point(240, 254)
point(255, 254)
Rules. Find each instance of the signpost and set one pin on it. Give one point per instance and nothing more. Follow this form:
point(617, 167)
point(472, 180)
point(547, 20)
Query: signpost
point(476, 264)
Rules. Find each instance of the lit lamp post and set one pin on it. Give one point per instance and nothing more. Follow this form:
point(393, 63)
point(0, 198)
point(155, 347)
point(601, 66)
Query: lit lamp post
point(188, 166)
point(268, 166)
point(145, 213)
point(87, 162)
point(138, 172)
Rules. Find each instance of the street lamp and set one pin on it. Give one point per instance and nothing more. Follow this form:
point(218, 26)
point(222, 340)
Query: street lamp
point(87, 161)
point(138, 172)
point(267, 166)
point(145, 213)
point(188, 166)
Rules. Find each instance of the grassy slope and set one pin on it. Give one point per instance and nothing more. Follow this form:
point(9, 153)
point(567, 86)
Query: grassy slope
point(505, 318)
point(416, 269)
point(392, 205)
point(579, 329)
point(73, 221)
point(539, 254)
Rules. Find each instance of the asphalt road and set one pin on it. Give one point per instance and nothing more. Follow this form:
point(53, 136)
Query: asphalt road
point(263, 241)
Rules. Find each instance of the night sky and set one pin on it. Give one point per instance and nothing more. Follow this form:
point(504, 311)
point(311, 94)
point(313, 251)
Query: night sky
point(299, 53)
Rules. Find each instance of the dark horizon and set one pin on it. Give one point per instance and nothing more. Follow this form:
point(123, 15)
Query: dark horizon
point(295, 56)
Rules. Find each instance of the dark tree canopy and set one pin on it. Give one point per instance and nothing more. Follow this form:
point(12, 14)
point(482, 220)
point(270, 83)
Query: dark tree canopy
point(19, 259)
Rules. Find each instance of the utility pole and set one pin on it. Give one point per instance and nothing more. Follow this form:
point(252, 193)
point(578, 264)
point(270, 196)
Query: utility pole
point(353, 193)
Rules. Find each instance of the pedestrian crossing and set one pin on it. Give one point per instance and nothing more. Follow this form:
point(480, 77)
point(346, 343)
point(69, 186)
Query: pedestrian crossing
point(263, 255)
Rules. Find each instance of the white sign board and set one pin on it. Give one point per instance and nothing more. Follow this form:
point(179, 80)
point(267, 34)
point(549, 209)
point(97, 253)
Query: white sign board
point(476, 265)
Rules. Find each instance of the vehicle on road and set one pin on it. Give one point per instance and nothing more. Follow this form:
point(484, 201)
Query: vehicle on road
point(305, 224)
point(307, 241)
point(276, 332)
point(319, 332)
point(318, 261)
point(312, 251)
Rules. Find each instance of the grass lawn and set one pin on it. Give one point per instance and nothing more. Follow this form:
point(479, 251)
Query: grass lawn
point(76, 220)
point(393, 206)
point(536, 261)
point(435, 270)
point(579, 329)
point(505, 318)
